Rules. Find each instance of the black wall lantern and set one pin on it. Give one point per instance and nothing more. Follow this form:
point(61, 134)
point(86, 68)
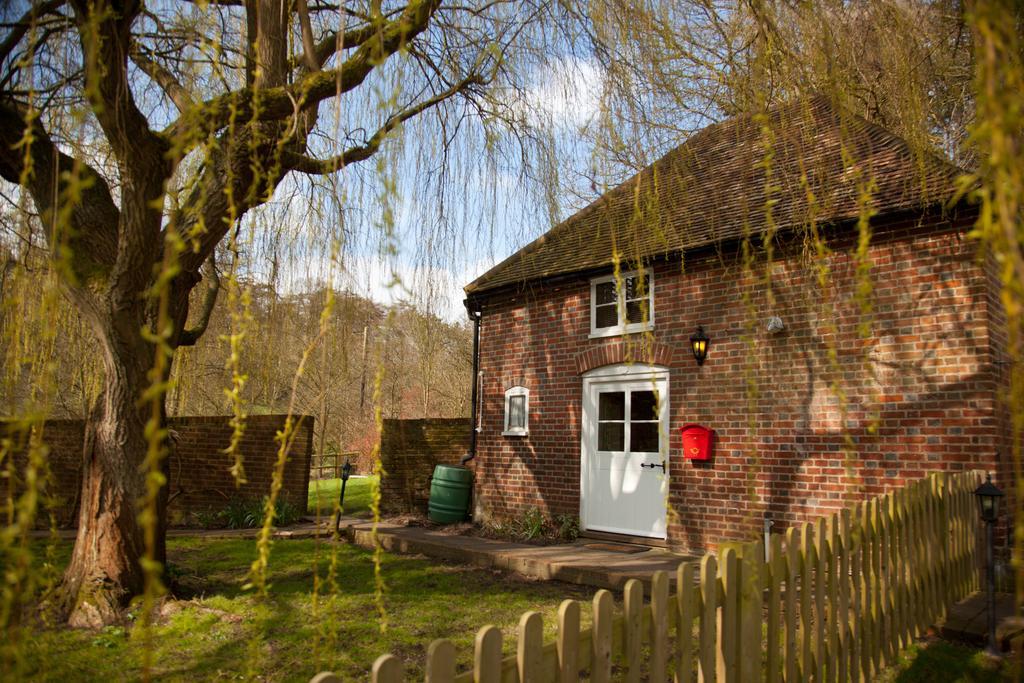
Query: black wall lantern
point(699, 343)
point(989, 496)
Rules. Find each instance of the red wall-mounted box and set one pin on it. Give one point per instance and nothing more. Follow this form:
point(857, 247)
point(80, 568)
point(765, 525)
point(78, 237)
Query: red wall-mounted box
point(698, 442)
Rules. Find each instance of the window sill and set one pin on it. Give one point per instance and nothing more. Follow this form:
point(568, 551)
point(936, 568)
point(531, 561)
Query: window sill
point(515, 433)
point(620, 331)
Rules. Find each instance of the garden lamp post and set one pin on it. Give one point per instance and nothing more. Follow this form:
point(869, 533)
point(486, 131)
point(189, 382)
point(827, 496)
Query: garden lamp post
point(346, 471)
point(988, 496)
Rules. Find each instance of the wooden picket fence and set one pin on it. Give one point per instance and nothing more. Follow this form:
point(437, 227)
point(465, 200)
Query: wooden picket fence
point(837, 601)
point(331, 463)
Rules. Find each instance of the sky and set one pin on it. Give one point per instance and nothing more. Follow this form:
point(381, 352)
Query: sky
point(489, 214)
point(444, 232)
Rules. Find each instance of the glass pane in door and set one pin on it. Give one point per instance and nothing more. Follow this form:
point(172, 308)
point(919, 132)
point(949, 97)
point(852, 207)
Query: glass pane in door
point(643, 406)
point(643, 437)
point(611, 436)
point(611, 421)
point(611, 405)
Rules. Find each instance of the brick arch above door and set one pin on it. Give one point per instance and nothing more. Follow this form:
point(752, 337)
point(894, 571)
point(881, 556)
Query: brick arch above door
point(613, 353)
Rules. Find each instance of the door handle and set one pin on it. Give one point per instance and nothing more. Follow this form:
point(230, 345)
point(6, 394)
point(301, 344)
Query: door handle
point(654, 464)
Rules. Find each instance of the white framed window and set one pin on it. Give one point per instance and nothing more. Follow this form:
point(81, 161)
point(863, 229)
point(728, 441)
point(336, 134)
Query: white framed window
point(622, 305)
point(517, 412)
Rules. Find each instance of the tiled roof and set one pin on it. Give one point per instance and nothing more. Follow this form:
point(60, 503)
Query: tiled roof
point(712, 189)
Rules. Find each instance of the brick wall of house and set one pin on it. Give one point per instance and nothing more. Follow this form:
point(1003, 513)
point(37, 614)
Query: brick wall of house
point(999, 353)
point(920, 387)
point(409, 451)
point(200, 478)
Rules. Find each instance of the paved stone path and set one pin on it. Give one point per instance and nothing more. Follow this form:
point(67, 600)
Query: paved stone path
point(967, 622)
point(572, 563)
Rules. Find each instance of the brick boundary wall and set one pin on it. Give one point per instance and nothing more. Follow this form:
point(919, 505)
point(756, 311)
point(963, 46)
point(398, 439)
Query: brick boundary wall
point(409, 450)
point(200, 477)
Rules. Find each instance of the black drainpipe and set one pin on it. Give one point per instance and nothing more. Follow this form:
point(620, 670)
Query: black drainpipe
point(474, 313)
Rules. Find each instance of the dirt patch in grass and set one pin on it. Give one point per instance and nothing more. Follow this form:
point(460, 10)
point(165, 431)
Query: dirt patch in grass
point(170, 607)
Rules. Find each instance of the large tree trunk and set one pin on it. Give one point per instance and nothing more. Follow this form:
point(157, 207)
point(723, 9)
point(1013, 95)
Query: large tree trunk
point(105, 571)
point(107, 249)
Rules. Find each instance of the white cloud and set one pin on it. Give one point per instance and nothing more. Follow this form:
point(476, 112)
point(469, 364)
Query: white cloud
point(569, 95)
point(437, 290)
point(433, 289)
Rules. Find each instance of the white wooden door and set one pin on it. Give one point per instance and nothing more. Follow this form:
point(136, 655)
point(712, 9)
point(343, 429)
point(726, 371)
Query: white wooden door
point(625, 445)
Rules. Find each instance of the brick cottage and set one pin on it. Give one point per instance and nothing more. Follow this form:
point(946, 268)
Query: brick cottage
point(888, 364)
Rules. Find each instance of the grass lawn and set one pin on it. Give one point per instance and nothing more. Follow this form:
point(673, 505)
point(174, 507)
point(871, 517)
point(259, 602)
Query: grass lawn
point(323, 494)
point(936, 661)
point(224, 632)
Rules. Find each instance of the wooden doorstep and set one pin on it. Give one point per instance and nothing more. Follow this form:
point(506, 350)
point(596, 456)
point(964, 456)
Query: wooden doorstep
point(624, 538)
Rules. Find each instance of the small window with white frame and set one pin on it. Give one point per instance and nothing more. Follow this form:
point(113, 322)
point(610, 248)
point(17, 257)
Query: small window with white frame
point(517, 412)
point(623, 304)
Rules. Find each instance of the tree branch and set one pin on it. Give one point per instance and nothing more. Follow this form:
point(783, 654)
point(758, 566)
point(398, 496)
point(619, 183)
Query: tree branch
point(279, 103)
point(105, 37)
point(143, 158)
point(73, 200)
point(250, 42)
point(24, 24)
point(333, 42)
point(192, 335)
point(308, 48)
point(164, 78)
point(214, 204)
point(306, 164)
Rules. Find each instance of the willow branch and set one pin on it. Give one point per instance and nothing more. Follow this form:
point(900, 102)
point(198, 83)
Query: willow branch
point(334, 42)
point(165, 79)
point(192, 335)
point(22, 26)
point(308, 48)
point(278, 103)
point(105, 37)
point(89, 233)
point(306, 164)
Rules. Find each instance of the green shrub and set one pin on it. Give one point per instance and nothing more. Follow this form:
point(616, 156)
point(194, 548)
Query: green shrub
point(247, 513)
point(534, 526)
point(568, 527)
point(286, 514)
point(209, 519)
point(243, 513)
